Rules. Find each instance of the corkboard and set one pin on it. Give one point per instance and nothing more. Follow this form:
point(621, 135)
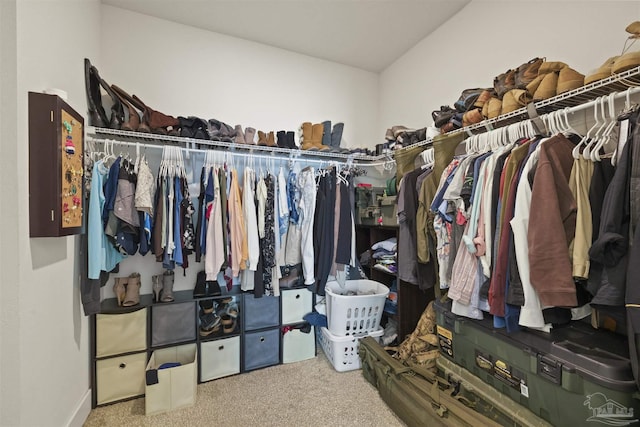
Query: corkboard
point(72, 168)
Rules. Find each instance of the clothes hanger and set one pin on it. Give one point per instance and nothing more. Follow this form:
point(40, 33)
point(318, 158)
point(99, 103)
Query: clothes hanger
point(589, 139)
point(627, 108)
point(606, 136)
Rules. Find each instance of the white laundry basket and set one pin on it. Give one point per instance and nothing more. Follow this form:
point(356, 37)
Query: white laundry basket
point(342, 352)
point(356, 308)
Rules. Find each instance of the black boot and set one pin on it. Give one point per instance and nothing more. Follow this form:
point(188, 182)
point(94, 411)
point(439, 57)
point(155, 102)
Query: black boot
point(291, 143)
point(282, 139)
point(200, 289)
point(96, 113)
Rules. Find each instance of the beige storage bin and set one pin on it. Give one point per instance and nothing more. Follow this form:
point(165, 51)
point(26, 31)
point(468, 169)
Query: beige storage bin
point(297, 345)
point(120, 377)
point(171, 388)
point(121, 333)
point(219, 358)
point(295, 304)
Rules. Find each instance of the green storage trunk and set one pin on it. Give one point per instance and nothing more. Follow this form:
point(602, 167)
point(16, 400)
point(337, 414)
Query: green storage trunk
point(574, 376)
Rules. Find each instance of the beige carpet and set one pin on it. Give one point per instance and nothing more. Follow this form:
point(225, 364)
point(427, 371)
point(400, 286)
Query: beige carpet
point(308, 393)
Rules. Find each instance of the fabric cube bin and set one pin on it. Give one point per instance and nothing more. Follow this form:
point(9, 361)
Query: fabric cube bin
point(297, 345)
point(174, 387)
point(121, 333)
point(296, 303)
point(261, 312)
point(120, 377)
point(261, 349)
point(173, 323)
point(219, 358)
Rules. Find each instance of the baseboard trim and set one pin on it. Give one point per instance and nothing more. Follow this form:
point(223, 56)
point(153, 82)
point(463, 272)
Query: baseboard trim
point(81, 413)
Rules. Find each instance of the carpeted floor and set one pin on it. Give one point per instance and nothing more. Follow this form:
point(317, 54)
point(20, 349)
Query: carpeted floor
point(308, 393)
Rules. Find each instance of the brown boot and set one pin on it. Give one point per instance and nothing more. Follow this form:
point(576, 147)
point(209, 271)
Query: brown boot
point(307, 137)
point(158, 122)
point(271, 140)
point(317, 133)
point(262, 138)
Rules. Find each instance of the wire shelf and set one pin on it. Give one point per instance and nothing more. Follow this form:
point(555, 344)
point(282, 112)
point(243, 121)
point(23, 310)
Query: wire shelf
point(163, 140)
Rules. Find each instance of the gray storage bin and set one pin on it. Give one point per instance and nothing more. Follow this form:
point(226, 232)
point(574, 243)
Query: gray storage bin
point(261, 349)
point(173, 323)
point(260, 313)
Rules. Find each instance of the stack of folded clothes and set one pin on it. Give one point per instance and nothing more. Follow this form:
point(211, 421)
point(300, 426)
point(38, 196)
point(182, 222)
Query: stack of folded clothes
point(384, 255)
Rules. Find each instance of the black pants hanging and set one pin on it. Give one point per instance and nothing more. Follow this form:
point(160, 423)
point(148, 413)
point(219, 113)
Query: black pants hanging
point(343, 250)
point(323, 228)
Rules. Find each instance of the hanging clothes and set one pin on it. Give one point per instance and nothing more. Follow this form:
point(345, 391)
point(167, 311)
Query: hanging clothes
point(306, 183)
point(323, 228)
point(214, 257)
point(552, 224)
point(102, 255)
point(238, 227)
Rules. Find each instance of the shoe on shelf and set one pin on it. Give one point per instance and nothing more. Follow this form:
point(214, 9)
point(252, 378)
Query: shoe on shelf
point(168, 278)
point(132, 105)
point(209, 320)
point(317, 132)
point(291, 142)
point(200, 289)
point(281, 138)
point(120, 289)
point(213, 289)
point(271, 139)
point(326, 133)
point(132, 296)
point(156, 286)
point(249, 136)
point(307, 137)
point(239, 135)
point(97, 115)
point(262, 139)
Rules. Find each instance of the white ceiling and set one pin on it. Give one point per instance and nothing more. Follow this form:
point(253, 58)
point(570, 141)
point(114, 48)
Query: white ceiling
point(367, 34)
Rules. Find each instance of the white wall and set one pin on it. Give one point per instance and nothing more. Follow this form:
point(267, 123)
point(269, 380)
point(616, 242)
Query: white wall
point(488, 37)
point(182, 70)
point(49, 382)
point(9, 291)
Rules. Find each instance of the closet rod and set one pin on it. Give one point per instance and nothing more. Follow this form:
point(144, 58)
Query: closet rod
point(274, 156)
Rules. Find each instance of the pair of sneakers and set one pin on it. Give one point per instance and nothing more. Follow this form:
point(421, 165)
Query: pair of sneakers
point(214, 314)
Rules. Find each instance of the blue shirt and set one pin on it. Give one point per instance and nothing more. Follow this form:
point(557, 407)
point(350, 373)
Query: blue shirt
point(102, 255)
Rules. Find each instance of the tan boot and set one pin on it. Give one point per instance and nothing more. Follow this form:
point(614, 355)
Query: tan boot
point(307, 137)
point(317, 133)
point(262, 138)
point(271, 140)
